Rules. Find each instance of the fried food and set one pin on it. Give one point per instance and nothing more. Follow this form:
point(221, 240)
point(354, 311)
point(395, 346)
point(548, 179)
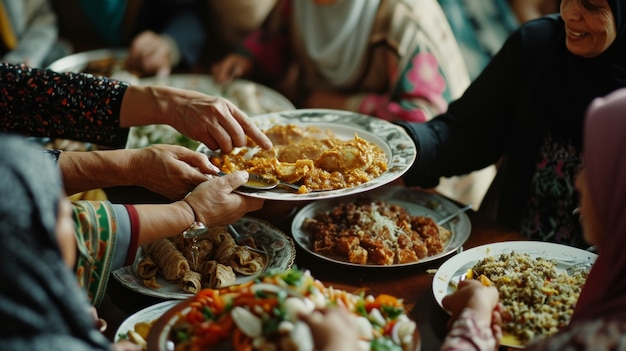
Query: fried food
point(310, 157)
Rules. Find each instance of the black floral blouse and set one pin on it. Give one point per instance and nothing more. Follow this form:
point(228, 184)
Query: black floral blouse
point(77, 106)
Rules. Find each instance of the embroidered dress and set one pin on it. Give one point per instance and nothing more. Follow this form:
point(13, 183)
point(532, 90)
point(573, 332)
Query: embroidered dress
point(96, 229)
point(553, 197)
point(60, 112)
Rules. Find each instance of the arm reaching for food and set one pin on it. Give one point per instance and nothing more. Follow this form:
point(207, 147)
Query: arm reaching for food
point(169, 170)
point(214, 121)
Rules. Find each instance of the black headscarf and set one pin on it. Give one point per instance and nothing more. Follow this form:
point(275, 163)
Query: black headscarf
point(41, 305)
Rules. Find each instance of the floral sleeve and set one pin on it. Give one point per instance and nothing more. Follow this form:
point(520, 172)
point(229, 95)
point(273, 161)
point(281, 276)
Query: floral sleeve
point(467, 334)
point(96, 231)
point(75, 106)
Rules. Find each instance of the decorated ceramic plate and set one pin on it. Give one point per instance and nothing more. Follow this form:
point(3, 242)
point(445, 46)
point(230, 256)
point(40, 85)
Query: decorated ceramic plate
point(280, 249)
point(416, 202)
point(392, 139)
point(146, 315)
point(449, 273)
point(246, 317)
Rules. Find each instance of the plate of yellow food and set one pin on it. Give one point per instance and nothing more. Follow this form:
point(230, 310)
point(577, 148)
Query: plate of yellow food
point(263, 315)
point(538, 282)
point(180, 267)
point(393, 226)
point(326, 153)
point(137, 326)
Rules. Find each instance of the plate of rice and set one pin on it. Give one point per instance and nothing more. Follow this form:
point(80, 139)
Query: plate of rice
point(539, 284)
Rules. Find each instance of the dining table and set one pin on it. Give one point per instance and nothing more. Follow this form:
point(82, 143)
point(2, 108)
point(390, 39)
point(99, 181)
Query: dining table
point(412, 284)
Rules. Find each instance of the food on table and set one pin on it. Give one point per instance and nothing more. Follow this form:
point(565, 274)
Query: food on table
point(139, 333)
point(369, 231)
point(537, 300)
point(191, 282)
point(316, 159)
point(262, 315)
point(171, 262)
point(211, 260)
point(220, 275)
point(147, 268)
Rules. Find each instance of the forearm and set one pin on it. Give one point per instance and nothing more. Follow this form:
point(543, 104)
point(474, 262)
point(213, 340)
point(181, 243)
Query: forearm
point(163, 221)
point(95, 169)
point(150, 105)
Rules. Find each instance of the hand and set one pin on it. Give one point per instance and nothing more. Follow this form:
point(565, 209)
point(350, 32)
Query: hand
point(125, 345)
point(214, 121)
point(332, 329)
point(149, 54)
point(170, 170)
point(214, 202)
point(231, 67)
point(472, 294)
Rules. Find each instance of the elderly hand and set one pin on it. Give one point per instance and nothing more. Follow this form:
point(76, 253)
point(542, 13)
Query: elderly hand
point(332, 329)
point(214, 121)
point(231, 67)
point(215, 203)
point(150, 54)
point(169, 170)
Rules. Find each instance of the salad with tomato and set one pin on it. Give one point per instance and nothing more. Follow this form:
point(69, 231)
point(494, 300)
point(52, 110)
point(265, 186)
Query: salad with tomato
point(263, 315)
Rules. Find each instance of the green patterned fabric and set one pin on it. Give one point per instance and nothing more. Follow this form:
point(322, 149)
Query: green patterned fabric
point(96, 231)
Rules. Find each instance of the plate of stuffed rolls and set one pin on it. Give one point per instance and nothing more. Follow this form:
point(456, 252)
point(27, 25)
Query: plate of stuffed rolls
point(179, 267)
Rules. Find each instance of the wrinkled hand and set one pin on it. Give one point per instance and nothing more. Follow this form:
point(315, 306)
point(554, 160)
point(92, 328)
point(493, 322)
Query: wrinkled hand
point(231, 67)
point(216, 122)
point(482, 299)
point(215, 203)
point(149, 54)
point(332, 329)
point(169, 170)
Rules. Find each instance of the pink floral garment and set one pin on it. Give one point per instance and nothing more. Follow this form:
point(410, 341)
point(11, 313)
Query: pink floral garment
point(420, 93)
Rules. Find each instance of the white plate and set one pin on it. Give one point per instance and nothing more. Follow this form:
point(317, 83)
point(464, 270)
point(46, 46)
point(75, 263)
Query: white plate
point(280, 247)
point(148, 314)
point(416, 202)
point(444, 281)
point(392, 139)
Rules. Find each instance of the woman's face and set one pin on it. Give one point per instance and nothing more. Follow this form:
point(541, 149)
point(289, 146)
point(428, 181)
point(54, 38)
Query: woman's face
point(65, 232)
point(589, 26)
point(591, 225)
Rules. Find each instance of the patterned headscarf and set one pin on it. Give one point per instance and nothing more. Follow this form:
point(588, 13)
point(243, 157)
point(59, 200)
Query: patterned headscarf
point(41, 306)
point(604, 293)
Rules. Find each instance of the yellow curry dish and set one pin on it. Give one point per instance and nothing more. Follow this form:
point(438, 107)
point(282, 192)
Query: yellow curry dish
point(313, 158)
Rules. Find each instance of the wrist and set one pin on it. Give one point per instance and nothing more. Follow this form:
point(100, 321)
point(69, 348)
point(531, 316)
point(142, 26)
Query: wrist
point(143, 105)
point(197, 227)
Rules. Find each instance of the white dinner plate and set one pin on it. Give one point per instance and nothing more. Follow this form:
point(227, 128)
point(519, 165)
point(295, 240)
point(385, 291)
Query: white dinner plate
point(148, 314)
point(416, 202)
point(280, 247)
point(448, 274)
point(392, 139)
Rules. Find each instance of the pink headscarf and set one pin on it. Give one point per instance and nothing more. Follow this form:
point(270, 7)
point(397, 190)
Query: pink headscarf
point(604, 293)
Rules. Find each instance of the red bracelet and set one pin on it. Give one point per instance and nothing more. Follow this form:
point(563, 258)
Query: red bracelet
point(134, 234)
